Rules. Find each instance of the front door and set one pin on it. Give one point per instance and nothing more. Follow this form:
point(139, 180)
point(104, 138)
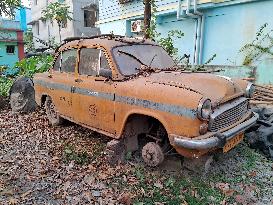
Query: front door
point(62, 80)
point(93, 96)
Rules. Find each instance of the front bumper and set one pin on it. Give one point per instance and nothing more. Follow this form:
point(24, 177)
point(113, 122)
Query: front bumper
point(218, 140)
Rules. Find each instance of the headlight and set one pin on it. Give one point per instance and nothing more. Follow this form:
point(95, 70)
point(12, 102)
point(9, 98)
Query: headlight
point(204, 109)
point(250, 89)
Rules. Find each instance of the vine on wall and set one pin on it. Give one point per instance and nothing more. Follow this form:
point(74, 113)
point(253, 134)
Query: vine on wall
point(261, 45)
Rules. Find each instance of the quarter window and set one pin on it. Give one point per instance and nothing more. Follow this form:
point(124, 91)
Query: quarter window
point(104, 62)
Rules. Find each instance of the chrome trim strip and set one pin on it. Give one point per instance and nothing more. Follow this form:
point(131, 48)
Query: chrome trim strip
point(217, 140)
point(173, 109)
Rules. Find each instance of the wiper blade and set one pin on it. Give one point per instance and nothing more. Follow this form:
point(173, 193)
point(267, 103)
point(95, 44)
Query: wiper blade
point(132, 56)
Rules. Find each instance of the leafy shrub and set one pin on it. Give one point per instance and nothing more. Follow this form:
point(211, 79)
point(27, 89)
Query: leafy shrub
point(5, 85)
point(36, 64)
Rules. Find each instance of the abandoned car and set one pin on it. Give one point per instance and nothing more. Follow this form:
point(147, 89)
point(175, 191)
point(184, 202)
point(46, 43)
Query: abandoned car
point(130, 90)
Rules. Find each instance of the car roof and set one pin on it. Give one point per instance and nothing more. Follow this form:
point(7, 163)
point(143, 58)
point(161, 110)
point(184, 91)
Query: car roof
point(108, 41)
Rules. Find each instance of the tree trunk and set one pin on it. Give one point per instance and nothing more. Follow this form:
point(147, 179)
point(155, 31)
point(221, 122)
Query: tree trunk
point(59, 25)
point(147, 17)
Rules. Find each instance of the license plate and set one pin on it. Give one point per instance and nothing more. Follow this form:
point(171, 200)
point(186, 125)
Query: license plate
point(233, 142)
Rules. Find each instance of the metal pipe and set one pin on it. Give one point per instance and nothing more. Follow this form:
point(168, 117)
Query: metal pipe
point(178, 9)
point(194, 45)
point(198, 39)
point(202, 40)
point(198, 33)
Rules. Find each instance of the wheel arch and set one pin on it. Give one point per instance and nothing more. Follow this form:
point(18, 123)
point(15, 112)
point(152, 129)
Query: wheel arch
point(43, 99)
point(146, 114)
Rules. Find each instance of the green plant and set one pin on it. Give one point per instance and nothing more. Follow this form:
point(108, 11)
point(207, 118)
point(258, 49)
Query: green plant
point(28, 38)
point(168, 42)
point(5, 85)
point(71, 155)
point(58, 12)
point(261, 45)
point(36, 64)
point(7, 7)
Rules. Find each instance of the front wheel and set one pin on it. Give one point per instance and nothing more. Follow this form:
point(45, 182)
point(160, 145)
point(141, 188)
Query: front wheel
point(52, 114)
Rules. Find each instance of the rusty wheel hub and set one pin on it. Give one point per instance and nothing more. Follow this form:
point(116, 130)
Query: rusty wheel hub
point(152, 154)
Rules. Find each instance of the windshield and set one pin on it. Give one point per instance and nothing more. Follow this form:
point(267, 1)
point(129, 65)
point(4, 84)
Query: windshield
point(130, 58)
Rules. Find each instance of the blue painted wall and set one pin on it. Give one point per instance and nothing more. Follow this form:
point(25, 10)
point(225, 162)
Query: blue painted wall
point(8, 59)
point(8, 36)
point(24, 16)
point(229, 25)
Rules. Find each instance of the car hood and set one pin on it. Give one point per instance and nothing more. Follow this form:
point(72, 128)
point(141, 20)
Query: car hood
point(217, 88)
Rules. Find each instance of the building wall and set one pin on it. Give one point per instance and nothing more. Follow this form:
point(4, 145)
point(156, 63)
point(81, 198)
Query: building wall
point(229, 25)
point(49, 30)
point(8, 59)
point(10, 34)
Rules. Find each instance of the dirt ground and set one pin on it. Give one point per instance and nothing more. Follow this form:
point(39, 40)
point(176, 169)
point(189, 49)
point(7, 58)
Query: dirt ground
point(40, 164)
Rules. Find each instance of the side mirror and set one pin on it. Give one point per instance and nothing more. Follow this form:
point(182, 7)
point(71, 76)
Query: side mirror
point(107, 73)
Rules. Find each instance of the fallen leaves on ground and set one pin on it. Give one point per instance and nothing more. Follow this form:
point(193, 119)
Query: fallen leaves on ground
point(41, 164)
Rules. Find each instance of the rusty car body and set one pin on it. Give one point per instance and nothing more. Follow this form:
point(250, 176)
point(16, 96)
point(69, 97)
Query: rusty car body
point(128, 89)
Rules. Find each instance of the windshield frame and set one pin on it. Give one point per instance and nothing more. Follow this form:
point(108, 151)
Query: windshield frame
point(133, 44)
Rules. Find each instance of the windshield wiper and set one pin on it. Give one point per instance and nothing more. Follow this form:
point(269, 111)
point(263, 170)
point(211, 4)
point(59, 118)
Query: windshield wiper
point(132, 56)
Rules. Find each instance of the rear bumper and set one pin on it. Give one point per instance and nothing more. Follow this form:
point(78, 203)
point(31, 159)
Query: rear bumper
point(218, 140)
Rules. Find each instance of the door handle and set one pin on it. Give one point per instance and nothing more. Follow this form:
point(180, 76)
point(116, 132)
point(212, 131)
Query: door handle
point(78, 80)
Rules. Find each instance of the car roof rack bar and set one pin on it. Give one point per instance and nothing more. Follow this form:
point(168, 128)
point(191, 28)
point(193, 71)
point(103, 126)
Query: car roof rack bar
point(112, 36)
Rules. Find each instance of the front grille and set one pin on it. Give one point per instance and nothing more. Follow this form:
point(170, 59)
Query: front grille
point(228, 114)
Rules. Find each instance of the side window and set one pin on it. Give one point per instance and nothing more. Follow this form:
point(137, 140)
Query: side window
point(104, 62)
point(89, 61)
point(57, 63)
point(69, 60)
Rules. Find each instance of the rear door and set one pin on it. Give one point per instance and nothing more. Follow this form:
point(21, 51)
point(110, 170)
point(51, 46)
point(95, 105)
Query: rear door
point(62, 80)
point(93, 96)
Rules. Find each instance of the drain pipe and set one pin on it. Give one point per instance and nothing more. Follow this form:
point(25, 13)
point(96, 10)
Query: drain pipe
point(199, 34)
point(202, 40)
point(199, 29)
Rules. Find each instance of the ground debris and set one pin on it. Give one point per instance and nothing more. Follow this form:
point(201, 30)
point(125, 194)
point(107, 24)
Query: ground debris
point(41, 164)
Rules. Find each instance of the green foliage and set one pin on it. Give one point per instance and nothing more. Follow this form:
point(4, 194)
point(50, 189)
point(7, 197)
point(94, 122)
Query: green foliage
point(261, 45)
point(7, 7)
point(5, 85)
point(71, 155)
point(166, 42)
point(58, 12)
point(36, 64)
point(28, 39)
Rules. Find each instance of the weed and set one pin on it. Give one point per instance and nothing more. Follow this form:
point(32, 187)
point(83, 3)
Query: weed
point(71, 155)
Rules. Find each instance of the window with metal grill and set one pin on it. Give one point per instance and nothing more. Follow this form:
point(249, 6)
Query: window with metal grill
point(10, 49)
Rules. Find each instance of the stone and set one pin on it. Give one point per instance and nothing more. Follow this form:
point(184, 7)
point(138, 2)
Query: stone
point(22, 96)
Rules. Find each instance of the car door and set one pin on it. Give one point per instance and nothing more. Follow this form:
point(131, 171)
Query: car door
point(61, 82)
point(93, 96)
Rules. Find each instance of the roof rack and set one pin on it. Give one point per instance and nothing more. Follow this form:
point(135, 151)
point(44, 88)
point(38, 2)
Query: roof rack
point(102, 36)
point(110, 36)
